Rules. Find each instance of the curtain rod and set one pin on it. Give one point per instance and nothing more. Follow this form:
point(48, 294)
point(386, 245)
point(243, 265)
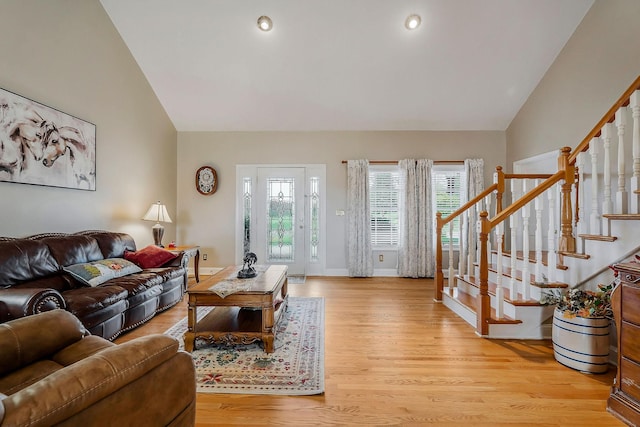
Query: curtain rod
point(395, 162)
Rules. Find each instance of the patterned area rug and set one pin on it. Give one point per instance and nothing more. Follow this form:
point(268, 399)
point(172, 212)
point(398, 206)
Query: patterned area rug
point(296, 280)
point(296, 367)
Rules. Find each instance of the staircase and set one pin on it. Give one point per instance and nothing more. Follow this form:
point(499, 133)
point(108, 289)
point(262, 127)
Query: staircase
point(512, 252)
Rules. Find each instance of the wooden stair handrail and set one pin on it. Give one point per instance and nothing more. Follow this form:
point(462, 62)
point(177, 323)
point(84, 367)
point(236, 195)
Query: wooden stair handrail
point(489, 190)
point(526, 199)
point(469, 204)
point(609, 115)
point(527, 175)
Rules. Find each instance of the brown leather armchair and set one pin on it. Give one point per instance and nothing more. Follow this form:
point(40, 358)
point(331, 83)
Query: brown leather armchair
point(53, 373)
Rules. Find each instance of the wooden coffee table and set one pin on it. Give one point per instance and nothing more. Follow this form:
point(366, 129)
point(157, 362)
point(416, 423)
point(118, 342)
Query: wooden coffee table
point(242, 317)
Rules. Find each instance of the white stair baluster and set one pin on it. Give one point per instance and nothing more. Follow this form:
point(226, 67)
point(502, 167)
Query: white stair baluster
point(634, 104)
point(581, 225)
point(471, 246)
point(451, 270)
point(487, 202)
point(551, 235)
point(526, 278)
point(607, 203)
point(461, 247)
point(513, 246)
point(594, 223)
point(499, 288)
point(538, 205)
point(478, 228)
point(622, 198)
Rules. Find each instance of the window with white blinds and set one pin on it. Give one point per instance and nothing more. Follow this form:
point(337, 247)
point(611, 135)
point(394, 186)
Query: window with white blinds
point(448, 195)
point(448, 190)
point(384, 189)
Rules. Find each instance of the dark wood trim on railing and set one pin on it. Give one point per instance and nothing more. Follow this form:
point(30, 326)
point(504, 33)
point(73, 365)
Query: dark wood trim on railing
point(609, 115)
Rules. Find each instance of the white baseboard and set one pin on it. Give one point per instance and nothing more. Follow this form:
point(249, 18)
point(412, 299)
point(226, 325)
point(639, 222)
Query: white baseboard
point(338, 272)
point(378, 272)
point(385, 272)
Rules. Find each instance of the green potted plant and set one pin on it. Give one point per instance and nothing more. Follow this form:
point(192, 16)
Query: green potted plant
point(581, 327)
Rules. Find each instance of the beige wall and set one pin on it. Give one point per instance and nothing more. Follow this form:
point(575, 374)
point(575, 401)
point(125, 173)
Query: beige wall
point(209, 220)
point(597, 64)
point(66, 54)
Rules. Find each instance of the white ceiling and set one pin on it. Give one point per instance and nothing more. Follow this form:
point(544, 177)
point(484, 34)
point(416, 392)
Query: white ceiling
point(344, 64)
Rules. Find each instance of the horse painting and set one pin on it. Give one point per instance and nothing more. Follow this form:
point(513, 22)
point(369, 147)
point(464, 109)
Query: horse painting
point(40, 145)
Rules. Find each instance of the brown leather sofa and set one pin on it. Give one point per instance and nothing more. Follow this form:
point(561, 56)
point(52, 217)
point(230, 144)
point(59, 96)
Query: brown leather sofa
point(33, 280)
point(52, 372)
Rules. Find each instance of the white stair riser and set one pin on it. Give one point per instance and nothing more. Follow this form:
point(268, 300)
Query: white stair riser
point(460, 309)
point(535, 292)
point(467, 288)
point(533, 324)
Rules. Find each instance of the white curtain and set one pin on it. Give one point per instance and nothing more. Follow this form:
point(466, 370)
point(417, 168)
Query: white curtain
point(360, 256)
point(474, 171)
point(415, 248)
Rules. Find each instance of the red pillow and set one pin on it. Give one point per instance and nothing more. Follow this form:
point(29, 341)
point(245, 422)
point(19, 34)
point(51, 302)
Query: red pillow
point(150, 257)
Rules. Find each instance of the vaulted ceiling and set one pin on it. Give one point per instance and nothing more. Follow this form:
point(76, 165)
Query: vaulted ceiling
point(344, 64)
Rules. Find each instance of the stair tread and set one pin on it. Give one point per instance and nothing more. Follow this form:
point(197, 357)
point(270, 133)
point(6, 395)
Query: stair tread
point(598, 237)
point(550, 285)
point(574, 255)
point(491, 287)
point(520, 255)
point(622, 217)
point(532, 258)
point(506, 272)
point(470, 302)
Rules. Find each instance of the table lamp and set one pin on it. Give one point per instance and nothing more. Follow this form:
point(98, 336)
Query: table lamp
point(158, 213)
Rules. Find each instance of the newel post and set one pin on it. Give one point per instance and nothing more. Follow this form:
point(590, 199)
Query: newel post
point(483, 312)
point(498, 178)
point(567, 240)
point(439, 276)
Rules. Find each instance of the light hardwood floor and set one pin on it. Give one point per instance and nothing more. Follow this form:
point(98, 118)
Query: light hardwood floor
point(395, 357)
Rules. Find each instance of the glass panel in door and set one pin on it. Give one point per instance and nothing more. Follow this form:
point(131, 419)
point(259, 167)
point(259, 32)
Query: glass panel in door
point(280, 218)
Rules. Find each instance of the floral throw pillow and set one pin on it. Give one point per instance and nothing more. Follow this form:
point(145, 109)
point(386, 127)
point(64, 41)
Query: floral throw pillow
point(150, 257)
point(97, 272)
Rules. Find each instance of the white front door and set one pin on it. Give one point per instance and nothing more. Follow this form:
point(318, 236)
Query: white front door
point(280, 218)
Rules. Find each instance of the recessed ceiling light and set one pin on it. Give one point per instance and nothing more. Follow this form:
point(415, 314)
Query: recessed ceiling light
point(412, 22)
point(264, 23)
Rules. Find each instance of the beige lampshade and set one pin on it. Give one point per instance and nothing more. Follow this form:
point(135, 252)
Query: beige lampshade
point(158, 213)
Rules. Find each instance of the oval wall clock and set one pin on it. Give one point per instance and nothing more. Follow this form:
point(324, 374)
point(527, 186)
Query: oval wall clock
point(206, 180)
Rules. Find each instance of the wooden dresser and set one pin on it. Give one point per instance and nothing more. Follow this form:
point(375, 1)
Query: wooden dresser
point(624, 401)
